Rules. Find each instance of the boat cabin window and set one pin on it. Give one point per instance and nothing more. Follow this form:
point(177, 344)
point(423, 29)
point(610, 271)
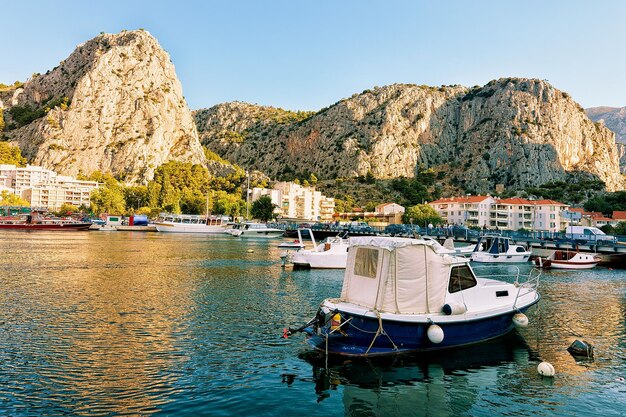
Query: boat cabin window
point(461, 278)
point(366, 262)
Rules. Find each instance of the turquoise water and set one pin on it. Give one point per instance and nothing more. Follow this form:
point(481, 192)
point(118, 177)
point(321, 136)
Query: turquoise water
point(124, 323)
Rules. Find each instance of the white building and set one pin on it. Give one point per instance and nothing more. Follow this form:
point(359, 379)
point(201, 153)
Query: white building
point(297, 202)
point(43, 188)
point(510, 213)
point(469, 210)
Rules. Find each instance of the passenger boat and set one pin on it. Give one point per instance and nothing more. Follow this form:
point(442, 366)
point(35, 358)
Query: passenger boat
point(332, 253)
point(189, 223)
point(254, 230)
point(399, 296)
point(568, 260)
point(493, 248)
point(36, 221)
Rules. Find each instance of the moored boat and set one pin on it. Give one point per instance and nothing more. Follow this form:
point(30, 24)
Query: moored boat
point(400, 295)
point(332, 253)
point(188, 223)
point(560, 259)
point(36, 221)
point(498, 249)
point(254, 230)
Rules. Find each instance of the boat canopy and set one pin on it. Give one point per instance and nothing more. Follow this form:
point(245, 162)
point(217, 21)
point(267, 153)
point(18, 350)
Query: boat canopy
point(396, 275)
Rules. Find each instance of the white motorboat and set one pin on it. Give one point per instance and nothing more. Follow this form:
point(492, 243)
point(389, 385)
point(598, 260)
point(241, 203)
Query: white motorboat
point(254, 230)
point(400, 295)
point(189, 223)
point(560, 259)
point(332, 253)
point(493, 248)
point(448, 247)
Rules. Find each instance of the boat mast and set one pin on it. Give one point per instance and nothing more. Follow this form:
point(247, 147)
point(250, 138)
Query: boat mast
point(248, 196)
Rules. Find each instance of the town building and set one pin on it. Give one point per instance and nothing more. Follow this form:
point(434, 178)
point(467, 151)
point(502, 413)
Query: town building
point(44, 188)
point(294, 201)
point(471, 211)
point(503, 214)
point(383, 214)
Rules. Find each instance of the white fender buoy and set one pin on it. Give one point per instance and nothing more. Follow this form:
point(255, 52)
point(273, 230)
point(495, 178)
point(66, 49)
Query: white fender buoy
point(520, 320)
point(546, 369)
point(435, 334)
point(453, 308)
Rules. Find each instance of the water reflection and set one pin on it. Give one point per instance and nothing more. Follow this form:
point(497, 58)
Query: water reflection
point(139, 324)
point(444, 383)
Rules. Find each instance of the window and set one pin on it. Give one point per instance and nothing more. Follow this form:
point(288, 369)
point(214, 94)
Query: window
point(366, 262)
point(461, 278)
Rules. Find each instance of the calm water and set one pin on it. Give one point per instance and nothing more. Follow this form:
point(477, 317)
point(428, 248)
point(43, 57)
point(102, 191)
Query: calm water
point(122, 323)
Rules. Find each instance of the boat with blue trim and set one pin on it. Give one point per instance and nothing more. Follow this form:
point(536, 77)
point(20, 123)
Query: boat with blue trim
point(400, 295)
point(499, 249)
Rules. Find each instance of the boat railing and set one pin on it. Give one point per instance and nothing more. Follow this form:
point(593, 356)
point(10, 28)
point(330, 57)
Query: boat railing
point(524, 284)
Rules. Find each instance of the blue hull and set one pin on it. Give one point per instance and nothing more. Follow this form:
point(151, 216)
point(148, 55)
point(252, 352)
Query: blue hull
point(402, 337)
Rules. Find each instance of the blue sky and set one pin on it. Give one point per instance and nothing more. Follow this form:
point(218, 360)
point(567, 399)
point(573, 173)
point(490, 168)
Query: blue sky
point(305, 55)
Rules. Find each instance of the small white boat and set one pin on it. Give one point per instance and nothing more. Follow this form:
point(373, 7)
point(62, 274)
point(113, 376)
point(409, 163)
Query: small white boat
point(568, 260)
point(254, 230)
point(448, 247)
point(492, 248)
point(330, 254)
point(292, 245)
point(400, 295)
point(189, 223)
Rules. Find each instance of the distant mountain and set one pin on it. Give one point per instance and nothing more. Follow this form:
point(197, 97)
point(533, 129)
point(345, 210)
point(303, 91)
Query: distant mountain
point(518, 132)
point(615, 119)
point(115, 105)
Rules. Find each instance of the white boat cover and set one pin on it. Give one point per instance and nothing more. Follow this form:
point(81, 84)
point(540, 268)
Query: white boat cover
point(396, 275)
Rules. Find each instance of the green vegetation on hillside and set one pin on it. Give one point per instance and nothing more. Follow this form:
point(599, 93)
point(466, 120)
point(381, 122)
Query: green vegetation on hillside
point(366, 192)
point(177, 187)
point(23, 115)
point(5, 87)
point(606, 203)
point(572, 192)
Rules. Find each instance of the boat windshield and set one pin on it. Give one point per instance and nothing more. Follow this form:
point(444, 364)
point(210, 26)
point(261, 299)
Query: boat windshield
point(461, 278)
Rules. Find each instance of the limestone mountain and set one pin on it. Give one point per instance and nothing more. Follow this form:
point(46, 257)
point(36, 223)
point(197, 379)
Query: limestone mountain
point(114, 105)
point(518, 132)
point(615, 119)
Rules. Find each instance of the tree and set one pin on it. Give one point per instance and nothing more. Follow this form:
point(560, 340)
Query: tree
point(229, 204)
point(263, 209)
point(66, 209)
point(9, 199)
point(108, 199)
point(421, 214)
point(11, 155)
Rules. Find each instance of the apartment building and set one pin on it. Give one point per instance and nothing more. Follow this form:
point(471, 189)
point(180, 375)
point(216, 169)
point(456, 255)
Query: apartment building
point(44, 188)
point(471, 211)
point(504, 214)
point(298, 202)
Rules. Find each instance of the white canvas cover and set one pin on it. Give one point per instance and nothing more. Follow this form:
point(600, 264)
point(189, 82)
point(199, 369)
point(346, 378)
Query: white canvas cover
point(411, 278)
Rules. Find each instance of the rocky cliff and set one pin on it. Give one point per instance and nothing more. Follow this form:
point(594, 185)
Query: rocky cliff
point(115, 105)
point(518, 132)
point(615, 119)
